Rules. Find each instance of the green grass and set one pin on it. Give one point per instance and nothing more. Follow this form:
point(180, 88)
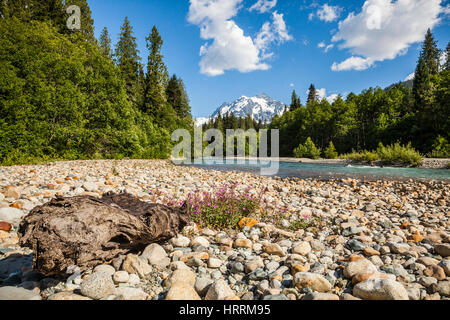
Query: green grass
point(392, 154)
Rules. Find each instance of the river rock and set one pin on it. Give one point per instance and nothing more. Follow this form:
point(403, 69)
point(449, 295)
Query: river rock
point(219, 291)
point(441, 249)
point(125, 293)
point(380, 289)
point(67, 296)
point(98, 285)
point(274, 249)
point(302, 248)
point(315, 282)
point(320, 296)
point(14, 293)
point(182, 291)
point(136, 265)
point(362, 266)
point(156, 256)
point(181, 275)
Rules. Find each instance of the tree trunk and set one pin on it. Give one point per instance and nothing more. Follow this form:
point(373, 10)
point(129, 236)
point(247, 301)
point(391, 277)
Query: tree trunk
point(86, 231)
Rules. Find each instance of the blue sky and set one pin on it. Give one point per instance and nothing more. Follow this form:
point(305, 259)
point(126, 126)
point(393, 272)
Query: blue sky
point(270, 46)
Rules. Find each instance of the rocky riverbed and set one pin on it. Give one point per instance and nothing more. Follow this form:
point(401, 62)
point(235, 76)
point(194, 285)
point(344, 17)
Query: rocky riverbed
point(364, 240)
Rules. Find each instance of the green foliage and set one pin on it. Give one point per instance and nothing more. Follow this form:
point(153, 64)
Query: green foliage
point(105, 43)
point(363, 156)
point(399, 153)
point(307, 150)
point(441, 148)
point(127, 57)
point(65, 100)
point(392, 154)
point(330, 152)
point(295, 102)
point(223, 207)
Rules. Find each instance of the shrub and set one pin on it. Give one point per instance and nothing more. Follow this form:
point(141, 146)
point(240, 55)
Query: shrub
point(330, 151)
point(399, 153)
point(224, 206)
point(363, 156)
point(308, 150)
point(441, 148)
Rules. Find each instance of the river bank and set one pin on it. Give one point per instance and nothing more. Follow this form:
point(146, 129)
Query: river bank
point(340, 239)
point(428, 163)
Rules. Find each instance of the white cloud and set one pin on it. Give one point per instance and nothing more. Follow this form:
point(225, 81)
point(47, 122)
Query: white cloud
point(329, 47)
point(327, 13)
point(230, 48)
point(383, 30)
point(352, 63)
point(271, 32)
point(410, 77)
point(263, 6)
point(325, 46)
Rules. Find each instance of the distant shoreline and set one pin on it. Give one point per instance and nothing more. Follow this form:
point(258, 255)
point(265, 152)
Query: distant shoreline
point(428, 163)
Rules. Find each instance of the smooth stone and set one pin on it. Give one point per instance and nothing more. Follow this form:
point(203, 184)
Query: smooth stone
point(156, 255)
point(380, 289)
point(320, 296)
point(202, 285)
point(315, 282)
point(121, 277)
point(273, 249)
point(219, 291)
point(214, 263)
point(302, 248)
point(131, 293)
point(11, 215)
point(181, 275)
point(363, 266)
point(441, 249)
point(97, 286)
point(182, 291)
point(14, 293)
point(202, 241)
point(278, 297)
point(180, 241)
point(135, 265)
point(106, 268)
point(67, 296)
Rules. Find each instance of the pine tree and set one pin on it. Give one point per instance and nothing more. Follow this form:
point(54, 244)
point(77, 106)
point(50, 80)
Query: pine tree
point(177, 97)
point(430, 53)
point(295, 101)
point(155, 100)
point(312, 95)
point(447, 58)
point(127, 57)
point(105, 43)
point(421, 84)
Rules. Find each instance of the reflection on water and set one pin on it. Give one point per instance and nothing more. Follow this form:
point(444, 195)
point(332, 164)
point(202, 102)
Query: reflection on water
point(327, 171)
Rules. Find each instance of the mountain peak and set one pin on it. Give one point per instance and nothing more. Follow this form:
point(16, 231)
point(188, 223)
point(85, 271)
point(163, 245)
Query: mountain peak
point(261, 108)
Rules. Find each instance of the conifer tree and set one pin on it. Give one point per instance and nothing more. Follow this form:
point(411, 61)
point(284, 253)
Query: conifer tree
point(447, 58)
point(105, 43)
point(177, 97)
point(421, 84)
point(127, 58)
point(312, 95)
point(430, 53)
point(295, 101)
point(154, 82)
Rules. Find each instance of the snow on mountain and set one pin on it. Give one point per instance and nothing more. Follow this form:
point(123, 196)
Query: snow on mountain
point(201, 121)
point(260, 107)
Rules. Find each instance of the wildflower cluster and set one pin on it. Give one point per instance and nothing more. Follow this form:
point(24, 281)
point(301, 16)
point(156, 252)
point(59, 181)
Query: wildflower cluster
point(224, 206)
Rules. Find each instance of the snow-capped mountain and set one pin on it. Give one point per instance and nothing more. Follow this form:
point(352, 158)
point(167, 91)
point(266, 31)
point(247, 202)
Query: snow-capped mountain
point(260, 107)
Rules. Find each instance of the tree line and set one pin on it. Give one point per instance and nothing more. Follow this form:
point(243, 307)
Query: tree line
point(419, 115)
point(66, 95)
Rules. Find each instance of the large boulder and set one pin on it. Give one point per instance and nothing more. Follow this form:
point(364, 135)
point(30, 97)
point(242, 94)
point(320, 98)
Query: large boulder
point(86, 231)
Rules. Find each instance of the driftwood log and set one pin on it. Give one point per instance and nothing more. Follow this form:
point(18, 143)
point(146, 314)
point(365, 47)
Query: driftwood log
point(87, 231)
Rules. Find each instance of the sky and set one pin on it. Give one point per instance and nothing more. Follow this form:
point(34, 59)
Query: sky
point(224, 49)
